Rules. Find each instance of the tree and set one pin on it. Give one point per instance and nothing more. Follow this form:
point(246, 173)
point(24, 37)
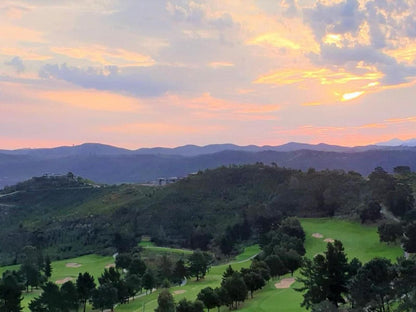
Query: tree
point(109, 276)
point(47, 269)
point(404, 284)
point(134, 284)
point(253, 279)
point(148, 280)
point(189, 306)
point(389, 232)
point(50, 300)
point(409, 238)
point(123, 261)
point(165, 302)
point(291, 259)
point(325, 277)
point(261, 267)
point(179, 271)
point(137, 266)
point(229, 271)
point(104, 297)
point(200, 262)
point(400, 200)
point(372, 288)
point(292, 227)
point(10, 294)
point(85, 285)
point(371, 213)
point(209, 297)
point(236, 288)
point(31, 274)
point(69, 296)
point(276, 265)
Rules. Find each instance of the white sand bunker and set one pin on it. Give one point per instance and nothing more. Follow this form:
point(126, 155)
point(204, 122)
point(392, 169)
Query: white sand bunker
point(73, 265)
point(178, 292)
point(110, 265)
point(64, 280)
point(285, 283)
point(317, 235)
point(329, 240)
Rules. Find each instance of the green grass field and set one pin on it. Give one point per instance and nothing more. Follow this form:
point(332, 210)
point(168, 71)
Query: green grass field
point(359, 241)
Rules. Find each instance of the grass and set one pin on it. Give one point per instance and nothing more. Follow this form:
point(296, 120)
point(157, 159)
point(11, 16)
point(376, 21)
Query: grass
point(359, 241)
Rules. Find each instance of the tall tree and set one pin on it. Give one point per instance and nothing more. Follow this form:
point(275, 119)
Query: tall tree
point(148, 280)
point(165, 302)
point(200, 262)
point(104, 297)
point(85, 285)
point(47, 269)
point(69, 296)
point(372, 288)
point(10, 294)
point(209, 297)
point(326, 277)
point(253, 279)
point(236, 288)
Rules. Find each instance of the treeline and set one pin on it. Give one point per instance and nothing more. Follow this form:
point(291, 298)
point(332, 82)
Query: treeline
point(217, 210)
point(332, 283)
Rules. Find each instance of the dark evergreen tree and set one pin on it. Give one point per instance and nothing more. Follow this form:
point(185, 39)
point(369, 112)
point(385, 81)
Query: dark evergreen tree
point(85, 285)
point(10, 294)
point(47, 269)
point(104, 297)
point(372, 288)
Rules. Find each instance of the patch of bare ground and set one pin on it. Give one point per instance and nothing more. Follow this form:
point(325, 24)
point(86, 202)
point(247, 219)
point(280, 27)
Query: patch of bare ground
point(317, 235)
point(285, 283)
point(73, 265)
point(64, 280)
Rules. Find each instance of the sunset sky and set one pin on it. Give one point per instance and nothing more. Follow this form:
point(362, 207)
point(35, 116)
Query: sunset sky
point(141, 73)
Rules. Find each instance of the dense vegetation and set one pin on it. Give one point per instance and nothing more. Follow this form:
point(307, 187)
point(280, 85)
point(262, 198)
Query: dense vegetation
point(213, 210)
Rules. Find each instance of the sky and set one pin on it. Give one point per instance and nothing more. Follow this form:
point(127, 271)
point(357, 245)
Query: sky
point(144, 73)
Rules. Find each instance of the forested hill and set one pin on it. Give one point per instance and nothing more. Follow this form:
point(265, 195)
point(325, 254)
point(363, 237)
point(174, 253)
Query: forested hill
point(111, 165)
point(214, 209)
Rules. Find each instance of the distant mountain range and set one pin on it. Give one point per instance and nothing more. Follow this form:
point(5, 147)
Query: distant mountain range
point(109, 164)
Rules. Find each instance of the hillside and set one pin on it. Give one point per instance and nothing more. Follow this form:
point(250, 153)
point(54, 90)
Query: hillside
point(70, 216)
point(106, 164)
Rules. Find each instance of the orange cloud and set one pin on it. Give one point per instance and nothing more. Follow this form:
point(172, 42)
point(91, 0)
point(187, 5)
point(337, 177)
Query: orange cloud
point(25, 54)
point(12, 33)
point(106, 56)
point(220, 64)
point(274, 40)
point(93, 100)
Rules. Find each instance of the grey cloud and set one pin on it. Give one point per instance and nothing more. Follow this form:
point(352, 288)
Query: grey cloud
point(340, 18)
point(136, 82)
point(16, 63)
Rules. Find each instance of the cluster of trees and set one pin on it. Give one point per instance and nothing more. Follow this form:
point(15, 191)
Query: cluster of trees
point(120, 283)
point(332, 283)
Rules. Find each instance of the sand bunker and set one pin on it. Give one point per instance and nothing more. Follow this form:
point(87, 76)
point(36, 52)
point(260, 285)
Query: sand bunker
point(178, 292)
point(64, 280)
point(285, 283)
point(73, 265)
point(329, 240)
point(110, 265)
point(317, 235)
